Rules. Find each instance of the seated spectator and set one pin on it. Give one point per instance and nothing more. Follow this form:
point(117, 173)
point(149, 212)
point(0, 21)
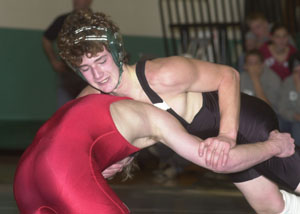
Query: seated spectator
point(258, 34)
point(289, 103)
point(258, 80)
point(278, 51)
point(259, 31)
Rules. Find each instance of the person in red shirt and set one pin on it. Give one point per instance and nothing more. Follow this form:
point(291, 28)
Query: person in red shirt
point(278, 51)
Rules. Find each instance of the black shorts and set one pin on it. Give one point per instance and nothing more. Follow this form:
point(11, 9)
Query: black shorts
point(257, 120)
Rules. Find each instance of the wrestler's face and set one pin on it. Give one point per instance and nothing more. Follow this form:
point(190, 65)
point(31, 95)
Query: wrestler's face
point(100, 71)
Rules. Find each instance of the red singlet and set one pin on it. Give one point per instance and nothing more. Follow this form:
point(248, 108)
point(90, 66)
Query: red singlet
point(60, 172)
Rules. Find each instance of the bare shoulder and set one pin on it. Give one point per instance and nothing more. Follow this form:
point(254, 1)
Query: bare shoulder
point(169, 64)
point(175, 74)
point(129, 111)
point(165, 73)
point(88, 90)
point(132, 118)
point(135, 111)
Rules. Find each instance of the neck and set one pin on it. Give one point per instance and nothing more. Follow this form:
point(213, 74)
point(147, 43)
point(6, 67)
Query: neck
point(127, 83)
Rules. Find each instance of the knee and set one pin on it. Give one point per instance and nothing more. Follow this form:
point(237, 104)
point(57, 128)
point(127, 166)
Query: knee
point(274, 209)
point(273, 206)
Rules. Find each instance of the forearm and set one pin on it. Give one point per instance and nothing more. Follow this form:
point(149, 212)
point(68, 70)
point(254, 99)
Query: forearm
point(229, 103)
point(244, 156)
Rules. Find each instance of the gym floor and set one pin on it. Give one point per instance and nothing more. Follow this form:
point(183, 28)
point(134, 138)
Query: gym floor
point(194, 191)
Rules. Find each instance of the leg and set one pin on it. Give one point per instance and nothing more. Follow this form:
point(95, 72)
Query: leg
point(263, 195)
point(298, 189)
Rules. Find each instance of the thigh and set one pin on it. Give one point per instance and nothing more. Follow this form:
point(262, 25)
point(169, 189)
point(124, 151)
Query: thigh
point(257, 120)
point(262, 195)
point(283, 171)
point(90, 193)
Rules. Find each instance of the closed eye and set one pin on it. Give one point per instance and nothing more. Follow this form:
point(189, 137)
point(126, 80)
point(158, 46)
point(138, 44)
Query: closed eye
point(84, 68)
point(101, 60)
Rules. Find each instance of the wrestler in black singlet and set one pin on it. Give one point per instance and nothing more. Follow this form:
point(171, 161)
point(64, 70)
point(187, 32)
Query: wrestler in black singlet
point(257, 120)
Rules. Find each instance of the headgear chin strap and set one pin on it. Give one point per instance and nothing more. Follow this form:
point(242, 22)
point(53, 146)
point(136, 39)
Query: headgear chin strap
point(113, 41)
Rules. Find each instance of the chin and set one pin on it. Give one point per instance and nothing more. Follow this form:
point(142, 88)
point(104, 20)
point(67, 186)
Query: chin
point(108, 90)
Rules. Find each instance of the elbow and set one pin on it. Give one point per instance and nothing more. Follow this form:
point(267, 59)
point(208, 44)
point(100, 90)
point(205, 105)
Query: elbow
point(232, 75)
point(230, 78)
point(235, 75)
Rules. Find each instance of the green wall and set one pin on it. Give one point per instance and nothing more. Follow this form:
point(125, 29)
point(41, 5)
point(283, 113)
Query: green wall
point(27, 82)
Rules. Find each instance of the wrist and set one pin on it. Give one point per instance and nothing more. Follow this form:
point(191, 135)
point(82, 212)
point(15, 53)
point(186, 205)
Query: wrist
point(271, 146)
point(232, 134)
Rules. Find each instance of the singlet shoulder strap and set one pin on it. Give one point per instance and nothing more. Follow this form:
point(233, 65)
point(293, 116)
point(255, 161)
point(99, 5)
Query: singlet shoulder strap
point(152, 95)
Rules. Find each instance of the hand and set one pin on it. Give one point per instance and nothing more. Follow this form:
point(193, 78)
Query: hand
point(216, 150)
point(59, 66)
point(110, 171)
point(283, 142)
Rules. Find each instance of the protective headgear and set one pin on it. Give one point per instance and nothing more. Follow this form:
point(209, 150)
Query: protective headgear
point(113, 41)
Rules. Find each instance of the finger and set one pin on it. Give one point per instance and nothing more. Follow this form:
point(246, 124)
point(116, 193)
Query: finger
point(211, 151)
point(204, 152)
point(208, 155)
point(217, 154)
point(225, 156)
point(221, 159)
point(201, 149)
point(215, 158)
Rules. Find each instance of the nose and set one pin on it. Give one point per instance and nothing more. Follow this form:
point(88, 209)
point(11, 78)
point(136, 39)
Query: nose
point(97, 75)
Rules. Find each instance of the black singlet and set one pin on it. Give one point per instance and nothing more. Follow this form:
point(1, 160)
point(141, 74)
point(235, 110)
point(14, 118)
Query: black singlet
point(257, 120)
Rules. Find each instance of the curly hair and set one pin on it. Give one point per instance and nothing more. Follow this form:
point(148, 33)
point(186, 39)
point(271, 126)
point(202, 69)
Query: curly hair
point(72, 51)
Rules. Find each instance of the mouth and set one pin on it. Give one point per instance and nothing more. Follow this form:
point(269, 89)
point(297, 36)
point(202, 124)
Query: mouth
point(103, 81)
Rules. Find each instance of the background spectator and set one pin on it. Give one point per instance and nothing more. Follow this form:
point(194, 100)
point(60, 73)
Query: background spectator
point(258, 80)
point(69, 84)
point(259, 31)
point(278, 51)
point(289, 104)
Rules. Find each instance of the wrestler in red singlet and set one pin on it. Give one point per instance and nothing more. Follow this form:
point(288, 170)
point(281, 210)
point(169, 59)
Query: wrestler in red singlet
point(60, 172)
